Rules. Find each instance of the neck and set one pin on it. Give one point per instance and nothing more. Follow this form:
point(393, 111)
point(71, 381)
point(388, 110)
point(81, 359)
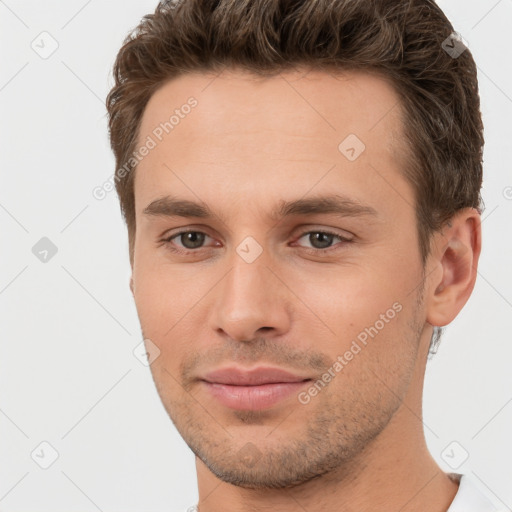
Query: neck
point(405, 479)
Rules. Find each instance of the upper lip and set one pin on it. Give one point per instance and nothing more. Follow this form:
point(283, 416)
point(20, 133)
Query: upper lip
point(254, 377)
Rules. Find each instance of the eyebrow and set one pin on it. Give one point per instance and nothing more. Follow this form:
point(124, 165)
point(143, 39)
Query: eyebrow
point(342, 206)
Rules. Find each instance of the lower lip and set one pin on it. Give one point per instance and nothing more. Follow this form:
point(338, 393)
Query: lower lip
point(253, 397)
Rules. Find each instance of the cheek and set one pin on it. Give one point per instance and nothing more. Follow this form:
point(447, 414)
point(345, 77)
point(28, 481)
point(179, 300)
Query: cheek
point(156, 301)
point(375, 345)
point(374, 327)
point(161, 289)
point(168, 303)
point(346, 300)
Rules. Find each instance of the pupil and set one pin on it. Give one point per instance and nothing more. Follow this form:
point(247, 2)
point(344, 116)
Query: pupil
point(324, 244)
point(195, 238)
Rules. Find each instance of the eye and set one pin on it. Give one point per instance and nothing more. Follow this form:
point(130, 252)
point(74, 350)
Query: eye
point(190, 240)
point(322, 240)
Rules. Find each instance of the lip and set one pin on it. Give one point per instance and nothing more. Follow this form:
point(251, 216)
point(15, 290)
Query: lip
point(255, 377)
point(256, 389)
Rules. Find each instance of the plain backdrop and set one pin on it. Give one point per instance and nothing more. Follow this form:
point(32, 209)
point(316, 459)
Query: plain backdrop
point(68, 375)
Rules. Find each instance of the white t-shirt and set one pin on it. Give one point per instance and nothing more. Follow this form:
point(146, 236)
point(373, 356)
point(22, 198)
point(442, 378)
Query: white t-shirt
point(468, 498)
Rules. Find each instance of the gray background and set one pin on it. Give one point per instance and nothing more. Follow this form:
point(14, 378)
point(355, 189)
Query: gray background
point(68, 375)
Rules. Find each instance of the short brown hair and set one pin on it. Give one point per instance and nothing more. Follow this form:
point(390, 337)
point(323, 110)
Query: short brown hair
point(401, 40)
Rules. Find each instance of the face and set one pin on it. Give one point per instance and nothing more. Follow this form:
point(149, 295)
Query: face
point(301, 253)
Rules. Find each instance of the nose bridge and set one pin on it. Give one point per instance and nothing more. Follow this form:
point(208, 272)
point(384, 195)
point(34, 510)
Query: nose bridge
point(250, 296)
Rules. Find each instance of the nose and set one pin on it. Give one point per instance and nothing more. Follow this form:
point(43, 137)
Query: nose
point(252, 300)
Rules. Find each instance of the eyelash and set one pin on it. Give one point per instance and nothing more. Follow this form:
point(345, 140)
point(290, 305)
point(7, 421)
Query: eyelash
point(168, 242)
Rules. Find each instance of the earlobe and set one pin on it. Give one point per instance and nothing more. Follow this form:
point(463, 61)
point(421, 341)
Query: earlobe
point(457, 253)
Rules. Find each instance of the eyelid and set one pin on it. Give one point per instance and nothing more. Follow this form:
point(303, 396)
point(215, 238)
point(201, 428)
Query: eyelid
point(200, 228)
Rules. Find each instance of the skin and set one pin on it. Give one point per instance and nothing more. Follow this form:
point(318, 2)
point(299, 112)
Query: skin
point(249, 144)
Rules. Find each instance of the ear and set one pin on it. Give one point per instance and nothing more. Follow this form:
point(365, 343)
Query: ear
point(454, 257)
point(131, 284)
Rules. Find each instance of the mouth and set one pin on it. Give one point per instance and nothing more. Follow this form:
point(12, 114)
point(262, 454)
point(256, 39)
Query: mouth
point(257, 376)
point(260, 388)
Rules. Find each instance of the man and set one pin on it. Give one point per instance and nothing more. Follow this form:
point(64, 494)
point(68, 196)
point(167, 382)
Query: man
point(301, 185)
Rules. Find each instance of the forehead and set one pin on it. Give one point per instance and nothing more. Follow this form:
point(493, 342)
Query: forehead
point(323, 102)
point(289, 129)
